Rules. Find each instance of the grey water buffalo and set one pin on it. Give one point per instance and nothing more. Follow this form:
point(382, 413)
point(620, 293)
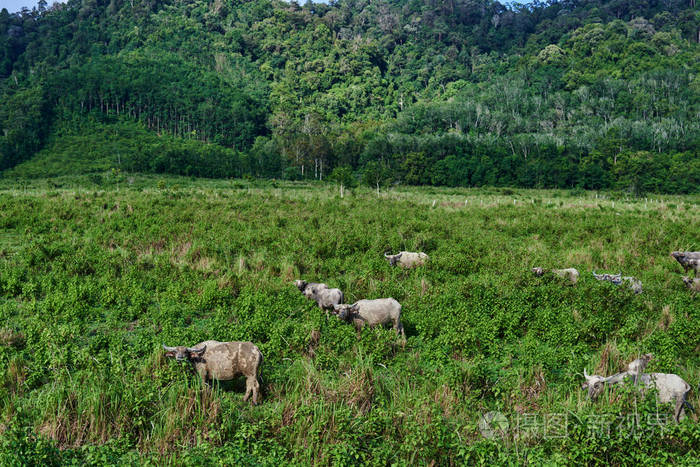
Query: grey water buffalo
point(692, 283)
point(670, 387)
point(688, 259)
point(223, 361)
point(569, 274)
point(632, 282)
point(407, 259)
point(381, 311)
point(324, 297)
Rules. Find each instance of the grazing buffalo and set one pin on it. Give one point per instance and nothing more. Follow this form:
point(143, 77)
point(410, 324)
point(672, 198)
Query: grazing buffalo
point(324, 297)
point(223, 361)
point(569, 274)
point(670, 387)
point(407, 259)
point(372, 312)
point(688, 259)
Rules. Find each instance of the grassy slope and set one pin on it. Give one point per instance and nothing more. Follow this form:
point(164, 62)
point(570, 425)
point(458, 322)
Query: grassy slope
point(93, 280)
point(97, 148)
point(63, 156)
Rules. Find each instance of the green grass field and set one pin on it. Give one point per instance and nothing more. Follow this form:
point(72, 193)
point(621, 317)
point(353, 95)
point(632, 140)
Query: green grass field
point(97, 272)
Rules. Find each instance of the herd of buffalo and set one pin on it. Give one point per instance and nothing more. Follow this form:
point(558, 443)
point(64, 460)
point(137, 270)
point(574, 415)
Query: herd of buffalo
point(223, 361)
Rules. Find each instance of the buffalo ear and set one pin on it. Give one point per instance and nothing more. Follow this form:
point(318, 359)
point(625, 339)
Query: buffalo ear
point(169, 354)
point(355, 307)
point(198, 352)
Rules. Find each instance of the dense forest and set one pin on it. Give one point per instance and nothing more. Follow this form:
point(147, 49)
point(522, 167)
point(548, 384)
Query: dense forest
point(599, 94)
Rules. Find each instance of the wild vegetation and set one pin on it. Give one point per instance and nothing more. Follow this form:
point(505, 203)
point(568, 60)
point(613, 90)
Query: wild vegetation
point(96, 273)
point(596, 94)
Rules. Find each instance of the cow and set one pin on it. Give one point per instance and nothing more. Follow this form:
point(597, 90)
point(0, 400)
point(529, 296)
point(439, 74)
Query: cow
point(223, 361)
point(688, 259)
point(670, 387)
point(407, 259)
point(569, 274)
point(372, 312)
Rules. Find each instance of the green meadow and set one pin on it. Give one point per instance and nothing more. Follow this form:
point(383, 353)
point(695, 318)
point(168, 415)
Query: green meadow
point(98, 271)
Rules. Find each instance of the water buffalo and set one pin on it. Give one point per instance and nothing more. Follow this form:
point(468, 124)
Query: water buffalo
point(372, 312)
point(407, 259)
point(569, 274)
point(302, 285)
point(688, 259)
point(670, 387)
point(324, 297)
point(223, 361)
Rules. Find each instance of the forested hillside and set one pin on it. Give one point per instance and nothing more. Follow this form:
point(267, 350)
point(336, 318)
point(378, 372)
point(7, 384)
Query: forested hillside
point(591, 94)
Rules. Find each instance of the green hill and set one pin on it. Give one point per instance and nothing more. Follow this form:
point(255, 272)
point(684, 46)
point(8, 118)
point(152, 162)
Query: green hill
point(591, 94)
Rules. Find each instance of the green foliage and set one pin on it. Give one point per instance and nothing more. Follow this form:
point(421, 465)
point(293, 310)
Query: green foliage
point(22, 127)
point(376, 174)
point(97, 147)
point(343, 176)
point(547, 94)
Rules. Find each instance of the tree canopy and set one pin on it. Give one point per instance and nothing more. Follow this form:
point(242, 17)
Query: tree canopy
point(458, 92)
